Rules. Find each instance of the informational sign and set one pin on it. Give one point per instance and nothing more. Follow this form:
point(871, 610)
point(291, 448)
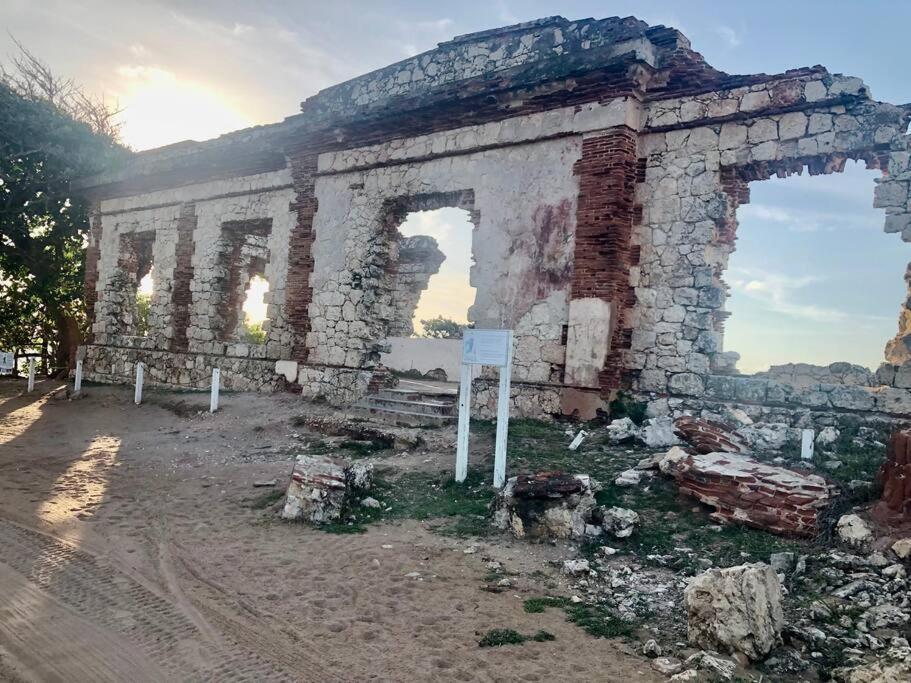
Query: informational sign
point(485, 347)
point(7, 361)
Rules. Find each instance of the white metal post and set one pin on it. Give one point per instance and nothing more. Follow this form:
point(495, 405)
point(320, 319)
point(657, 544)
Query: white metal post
point(461, 470)
point(137, 396)
point(31, 374)
point(499, 459)
point(807, 438)
point(77, 383)
point(213, 399)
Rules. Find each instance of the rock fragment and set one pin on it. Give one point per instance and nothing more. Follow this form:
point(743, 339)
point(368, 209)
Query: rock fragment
point(709, 436)
point(737, 609)
point(620, 522)
point(321, 487)
point(853, 530)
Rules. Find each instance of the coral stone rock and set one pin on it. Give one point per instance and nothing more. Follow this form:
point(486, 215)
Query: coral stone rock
point(853, 530)
point(621, 522)
point(737, 609)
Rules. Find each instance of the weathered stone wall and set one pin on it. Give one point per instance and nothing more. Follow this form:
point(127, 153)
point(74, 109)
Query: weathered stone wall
point(697, 165)
point(416, 259)
point(205, 241)
point(602, 162)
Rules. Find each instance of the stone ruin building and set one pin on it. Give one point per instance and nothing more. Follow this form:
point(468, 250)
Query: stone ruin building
point(602, 163)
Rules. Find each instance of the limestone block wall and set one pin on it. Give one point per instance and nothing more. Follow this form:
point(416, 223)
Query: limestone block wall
point(697, 160)
point(207, 239)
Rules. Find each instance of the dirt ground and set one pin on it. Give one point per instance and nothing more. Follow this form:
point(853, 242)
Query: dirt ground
point(132, 548)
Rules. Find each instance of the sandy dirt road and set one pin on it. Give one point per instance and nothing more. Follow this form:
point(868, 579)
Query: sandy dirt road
point(129, 550)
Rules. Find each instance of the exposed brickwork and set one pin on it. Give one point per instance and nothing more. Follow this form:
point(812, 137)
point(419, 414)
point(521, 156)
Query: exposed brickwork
point(181, 296)
point(92, 254)
point(300, 258)
point(604, 225)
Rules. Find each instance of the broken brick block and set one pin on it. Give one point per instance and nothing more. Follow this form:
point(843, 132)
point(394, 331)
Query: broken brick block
point(745, 491)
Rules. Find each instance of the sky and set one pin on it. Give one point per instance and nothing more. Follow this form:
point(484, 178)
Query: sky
point(195, 69)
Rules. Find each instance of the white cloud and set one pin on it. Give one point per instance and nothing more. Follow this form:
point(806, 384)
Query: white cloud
point(728, 35)
point(775, 292)
point(138, 50)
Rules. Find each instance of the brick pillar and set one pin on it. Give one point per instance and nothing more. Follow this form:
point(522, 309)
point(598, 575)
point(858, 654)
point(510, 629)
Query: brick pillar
point(92, 254)
point(181, 298)
point(298, 293)
point(604, 226)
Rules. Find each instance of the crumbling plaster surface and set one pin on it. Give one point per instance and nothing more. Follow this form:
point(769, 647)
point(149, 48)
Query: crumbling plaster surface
point(262, 196)
point(689, 223)
point(523, 244)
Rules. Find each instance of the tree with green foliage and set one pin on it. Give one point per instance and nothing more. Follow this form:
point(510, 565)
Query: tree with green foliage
point(50, 134)
point(442, 328)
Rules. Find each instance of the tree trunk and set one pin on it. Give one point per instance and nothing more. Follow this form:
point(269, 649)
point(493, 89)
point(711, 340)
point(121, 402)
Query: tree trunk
point(69, 337)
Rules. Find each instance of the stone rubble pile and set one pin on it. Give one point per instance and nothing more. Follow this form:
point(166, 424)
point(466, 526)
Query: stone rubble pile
point(546, 505)
point(322, 488)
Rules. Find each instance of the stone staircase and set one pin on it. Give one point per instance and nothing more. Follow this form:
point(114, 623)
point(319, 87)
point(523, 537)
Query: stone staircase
point(409, 407)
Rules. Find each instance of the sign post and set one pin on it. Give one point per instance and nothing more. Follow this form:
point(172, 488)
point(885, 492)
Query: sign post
point(213, 398)
point(77, 383)
point(137, 395)
point(7, 362)
point(485, 347)
point(31, 374)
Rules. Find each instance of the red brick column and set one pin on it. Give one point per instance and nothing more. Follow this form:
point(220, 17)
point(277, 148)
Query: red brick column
point(181, 298)
point(604, 225)
point(298, 293)
point(92, 254)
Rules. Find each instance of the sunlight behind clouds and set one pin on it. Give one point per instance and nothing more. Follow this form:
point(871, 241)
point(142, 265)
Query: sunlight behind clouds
point(160, 108)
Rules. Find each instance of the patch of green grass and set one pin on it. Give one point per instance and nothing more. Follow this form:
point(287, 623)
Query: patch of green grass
point(342, 528)
point(598, 621)
point(858, 462)
point(538, 605)
point(498, 637)
point(423, 496)
point(527, 428)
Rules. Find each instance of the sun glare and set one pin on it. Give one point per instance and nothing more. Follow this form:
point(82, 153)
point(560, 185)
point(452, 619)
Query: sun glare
point(159, 108)
point(255, 305)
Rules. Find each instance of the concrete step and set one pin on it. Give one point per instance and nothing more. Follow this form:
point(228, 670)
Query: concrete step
point(402, 418)
point(414, 406)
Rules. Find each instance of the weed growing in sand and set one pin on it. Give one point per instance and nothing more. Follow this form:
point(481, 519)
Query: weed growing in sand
point(498, 637)
point(265, 500)
point(596, 620)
